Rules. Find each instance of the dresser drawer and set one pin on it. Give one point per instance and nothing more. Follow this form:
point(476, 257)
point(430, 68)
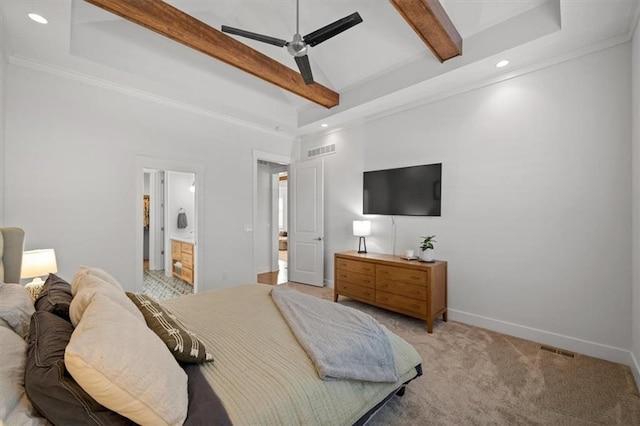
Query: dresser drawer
point(187, 248)
point(401, 303)
point(403, 289)
point(355, 266)
point(356, 278)
point(176, 250)
point(355, 291)
point(187, 275)
point(187, 260)
point(389, 275)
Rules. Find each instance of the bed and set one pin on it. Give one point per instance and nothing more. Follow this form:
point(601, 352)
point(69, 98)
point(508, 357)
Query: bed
point(260, 373)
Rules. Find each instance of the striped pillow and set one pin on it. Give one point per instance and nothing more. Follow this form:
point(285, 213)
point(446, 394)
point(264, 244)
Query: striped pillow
point(183, 344)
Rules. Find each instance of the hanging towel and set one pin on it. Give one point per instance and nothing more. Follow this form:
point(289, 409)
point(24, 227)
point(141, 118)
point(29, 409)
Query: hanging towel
point(182, 220)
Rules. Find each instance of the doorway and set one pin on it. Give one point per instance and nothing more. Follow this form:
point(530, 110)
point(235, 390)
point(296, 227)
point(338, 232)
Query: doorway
point(282, 219)
point(169, 233)
point(168, 254)
point(271, 218)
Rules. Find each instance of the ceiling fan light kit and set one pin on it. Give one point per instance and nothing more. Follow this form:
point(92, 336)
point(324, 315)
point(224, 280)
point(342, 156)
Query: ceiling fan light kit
point(298, 46)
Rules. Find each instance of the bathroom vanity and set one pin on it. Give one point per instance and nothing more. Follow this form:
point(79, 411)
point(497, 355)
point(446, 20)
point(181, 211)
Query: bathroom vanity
point(182, 258)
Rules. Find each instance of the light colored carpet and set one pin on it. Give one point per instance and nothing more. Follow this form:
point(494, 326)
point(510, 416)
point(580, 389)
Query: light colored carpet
point(160, 287)
point(474, 376)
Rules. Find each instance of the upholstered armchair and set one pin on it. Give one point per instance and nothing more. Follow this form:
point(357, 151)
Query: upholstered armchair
point(11, 248)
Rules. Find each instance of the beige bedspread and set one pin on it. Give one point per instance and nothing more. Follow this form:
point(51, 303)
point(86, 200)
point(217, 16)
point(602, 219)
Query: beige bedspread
point(261, 373)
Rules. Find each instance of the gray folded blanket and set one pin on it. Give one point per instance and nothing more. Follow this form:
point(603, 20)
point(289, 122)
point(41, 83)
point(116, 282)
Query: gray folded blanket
point(342, 342)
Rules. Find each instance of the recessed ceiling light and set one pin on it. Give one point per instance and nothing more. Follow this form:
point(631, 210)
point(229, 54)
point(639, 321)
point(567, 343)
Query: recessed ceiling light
point(324, 125)
point(503, 63)
point(39, 19)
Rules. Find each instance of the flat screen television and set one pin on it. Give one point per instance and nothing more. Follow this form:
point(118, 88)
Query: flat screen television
point(406, 191)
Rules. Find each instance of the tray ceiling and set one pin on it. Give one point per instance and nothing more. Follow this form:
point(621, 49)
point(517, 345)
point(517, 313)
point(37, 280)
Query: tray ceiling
point(378, 65)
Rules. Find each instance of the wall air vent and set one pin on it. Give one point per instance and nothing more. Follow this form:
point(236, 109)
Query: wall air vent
point(557, 351)
point(321, 151)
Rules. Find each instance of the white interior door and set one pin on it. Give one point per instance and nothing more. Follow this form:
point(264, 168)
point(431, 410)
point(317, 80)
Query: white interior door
point(306, 233)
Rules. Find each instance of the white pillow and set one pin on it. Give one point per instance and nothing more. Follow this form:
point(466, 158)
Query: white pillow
point(16, 308)
point(96, 272)
point(87, 283)
point(125, 366)
point(15, 407)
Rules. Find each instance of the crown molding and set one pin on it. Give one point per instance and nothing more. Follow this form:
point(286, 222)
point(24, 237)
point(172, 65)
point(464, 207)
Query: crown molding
point(356, 119)
point(130, 91)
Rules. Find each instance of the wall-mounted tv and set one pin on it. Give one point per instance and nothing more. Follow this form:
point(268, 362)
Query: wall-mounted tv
point(406, 191)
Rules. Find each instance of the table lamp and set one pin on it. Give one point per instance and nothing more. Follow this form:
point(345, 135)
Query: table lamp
point(35, 264)
point(362, 228)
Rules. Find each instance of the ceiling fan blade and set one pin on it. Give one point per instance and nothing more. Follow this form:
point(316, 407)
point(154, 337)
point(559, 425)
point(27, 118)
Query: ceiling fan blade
point(305, 68)
point(263, 38)
point(333, 29)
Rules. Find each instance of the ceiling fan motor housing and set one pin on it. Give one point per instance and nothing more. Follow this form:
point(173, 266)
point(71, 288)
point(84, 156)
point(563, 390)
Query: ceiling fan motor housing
point(297, 47)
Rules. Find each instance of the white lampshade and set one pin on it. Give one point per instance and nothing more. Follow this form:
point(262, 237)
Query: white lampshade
point(36, 263)
point(361, 228)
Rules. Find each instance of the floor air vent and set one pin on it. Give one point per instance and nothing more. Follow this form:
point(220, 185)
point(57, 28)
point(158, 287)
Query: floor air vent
point(557, 351)
point(320, 151)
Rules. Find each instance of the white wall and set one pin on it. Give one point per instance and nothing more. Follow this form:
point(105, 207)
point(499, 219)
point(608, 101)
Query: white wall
point(342, 192)
point(146, 184)
point(635, 72)
point(180, 197)
point(3, 77)
point(536, 213)
point(71, 183)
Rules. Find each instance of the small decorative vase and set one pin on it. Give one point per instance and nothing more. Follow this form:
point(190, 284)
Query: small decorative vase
point(427, 255)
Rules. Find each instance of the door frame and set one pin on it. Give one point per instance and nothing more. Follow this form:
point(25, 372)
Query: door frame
point(157, 219)
point(272, 158)
point(143, 162)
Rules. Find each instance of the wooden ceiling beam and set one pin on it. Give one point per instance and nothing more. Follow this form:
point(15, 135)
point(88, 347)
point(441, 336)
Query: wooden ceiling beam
point(170, 22)
point(432, 24)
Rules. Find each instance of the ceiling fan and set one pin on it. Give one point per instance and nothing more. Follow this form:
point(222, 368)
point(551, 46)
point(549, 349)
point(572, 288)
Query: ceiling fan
point(298, 46)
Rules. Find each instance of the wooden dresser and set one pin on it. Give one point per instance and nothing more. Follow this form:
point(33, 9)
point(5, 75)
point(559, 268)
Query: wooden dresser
point(182, 252)
point(409, 287)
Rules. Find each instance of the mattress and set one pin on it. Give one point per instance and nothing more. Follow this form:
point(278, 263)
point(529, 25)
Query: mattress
point(262, 375)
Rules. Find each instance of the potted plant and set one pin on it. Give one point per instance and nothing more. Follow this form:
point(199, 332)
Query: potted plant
point(426, 245)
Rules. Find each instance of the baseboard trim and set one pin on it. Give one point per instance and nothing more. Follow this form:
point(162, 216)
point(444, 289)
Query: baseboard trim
point(596, 350)
point(635, 368)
